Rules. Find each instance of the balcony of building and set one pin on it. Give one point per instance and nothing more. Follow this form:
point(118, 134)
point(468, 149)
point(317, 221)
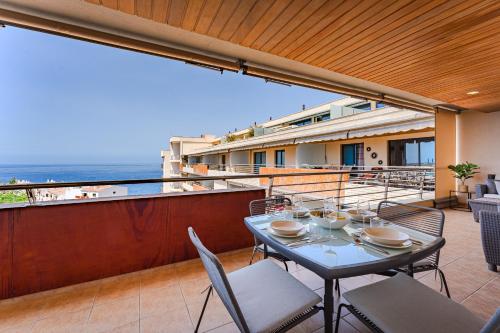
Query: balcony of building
point(168, 298)
point(127, 264)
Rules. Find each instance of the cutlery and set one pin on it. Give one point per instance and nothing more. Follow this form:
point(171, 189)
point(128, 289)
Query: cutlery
point(360, 242)
point(309, 241)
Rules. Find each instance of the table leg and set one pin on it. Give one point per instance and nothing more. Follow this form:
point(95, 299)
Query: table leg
point(410, 269)
point(328, 306)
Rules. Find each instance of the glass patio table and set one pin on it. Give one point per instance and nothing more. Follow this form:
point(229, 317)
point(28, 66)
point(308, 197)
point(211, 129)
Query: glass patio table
point(341, 257)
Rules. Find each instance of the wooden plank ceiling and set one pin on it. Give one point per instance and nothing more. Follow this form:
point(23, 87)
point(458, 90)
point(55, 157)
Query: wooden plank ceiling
point(440, 49)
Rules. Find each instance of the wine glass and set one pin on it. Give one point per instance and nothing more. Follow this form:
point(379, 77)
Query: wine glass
point(329, 213)
point(365, 211)
point(298, 206)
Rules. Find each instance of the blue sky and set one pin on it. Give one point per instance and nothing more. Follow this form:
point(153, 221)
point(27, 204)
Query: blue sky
point(67, 101)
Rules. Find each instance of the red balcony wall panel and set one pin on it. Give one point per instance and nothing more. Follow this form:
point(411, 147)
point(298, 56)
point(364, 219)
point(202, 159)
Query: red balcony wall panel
point(6, 228)
point(50, 246)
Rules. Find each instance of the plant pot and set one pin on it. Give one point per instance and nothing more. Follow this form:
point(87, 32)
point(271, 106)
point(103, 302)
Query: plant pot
point(463, 188)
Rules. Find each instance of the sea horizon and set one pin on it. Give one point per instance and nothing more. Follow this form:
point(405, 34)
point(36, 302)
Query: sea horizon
point(74, 172)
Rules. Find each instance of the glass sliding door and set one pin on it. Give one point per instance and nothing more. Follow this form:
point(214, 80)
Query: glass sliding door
point(259, 160)
point(412, 152)
point(353, 154)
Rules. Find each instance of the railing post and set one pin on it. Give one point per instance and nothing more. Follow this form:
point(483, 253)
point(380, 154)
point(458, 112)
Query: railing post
point(270, 187)
point(31, 196)
point(339, 190)
point(422, 184)
point(387, 181)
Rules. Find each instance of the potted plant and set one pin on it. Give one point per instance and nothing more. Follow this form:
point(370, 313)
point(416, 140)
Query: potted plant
point(464, 171)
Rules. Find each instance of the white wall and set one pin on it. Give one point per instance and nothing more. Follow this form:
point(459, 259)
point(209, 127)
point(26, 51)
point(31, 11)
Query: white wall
point(478, 141)
point(239, 157)
point(311, 154)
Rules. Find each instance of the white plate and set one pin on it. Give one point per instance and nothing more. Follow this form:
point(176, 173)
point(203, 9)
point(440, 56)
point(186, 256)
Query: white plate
point(300, 215)
point(299, 234)
point(359, 217)
point(389, 236)
point(405, 245)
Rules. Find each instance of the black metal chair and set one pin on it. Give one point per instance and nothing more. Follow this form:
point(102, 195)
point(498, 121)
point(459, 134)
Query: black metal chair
point(260, 297)
point(402, 304)
point(424, 219)
point(269, 206)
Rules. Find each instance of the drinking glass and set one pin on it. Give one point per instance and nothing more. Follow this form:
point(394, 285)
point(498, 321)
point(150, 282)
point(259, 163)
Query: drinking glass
point(376, 222)
point(365, 211)
point(298, 206)
point(329, 213)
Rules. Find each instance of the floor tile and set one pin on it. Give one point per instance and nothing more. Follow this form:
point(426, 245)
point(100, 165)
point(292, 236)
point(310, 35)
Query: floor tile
point(69, 322)
point(112, 315)
point(175, 321)
point(215, 314)
point(157, 301)
point(124, 286)
point(159, 277)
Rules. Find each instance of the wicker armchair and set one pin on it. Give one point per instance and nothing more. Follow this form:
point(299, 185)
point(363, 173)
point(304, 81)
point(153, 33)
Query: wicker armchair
point(490, 236)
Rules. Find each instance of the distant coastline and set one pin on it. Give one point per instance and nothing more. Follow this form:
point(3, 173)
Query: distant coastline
point(41, 173)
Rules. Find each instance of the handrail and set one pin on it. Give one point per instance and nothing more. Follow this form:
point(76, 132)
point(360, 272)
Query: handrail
point(31, 186)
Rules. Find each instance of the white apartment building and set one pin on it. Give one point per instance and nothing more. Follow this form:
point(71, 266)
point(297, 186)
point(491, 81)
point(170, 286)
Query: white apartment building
point(84, 192)
point(347, 132)
point(180, 147)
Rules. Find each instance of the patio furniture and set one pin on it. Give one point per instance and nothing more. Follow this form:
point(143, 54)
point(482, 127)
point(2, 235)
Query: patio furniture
point(424, 219)
point(490, 237)
point(402, 304)
point(489, 189)
point(261, 297)
point(342, 257)
point(268, 206)
point(488, 204)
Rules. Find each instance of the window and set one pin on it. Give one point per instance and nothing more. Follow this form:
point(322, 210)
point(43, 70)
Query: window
point(353, 154)
point(279, 158)
point(302, 122)
point(364, 106)
point(411, 152)
point(322, 117)
point(380, 105)
point(259, 160)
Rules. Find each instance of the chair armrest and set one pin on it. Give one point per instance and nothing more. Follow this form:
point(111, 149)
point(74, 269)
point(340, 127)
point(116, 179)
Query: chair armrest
point(481, 190)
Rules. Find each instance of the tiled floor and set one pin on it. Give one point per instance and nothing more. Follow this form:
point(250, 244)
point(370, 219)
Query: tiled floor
point(168, 299)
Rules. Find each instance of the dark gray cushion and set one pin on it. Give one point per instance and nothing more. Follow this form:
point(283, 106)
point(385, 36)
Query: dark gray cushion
point(492, 188)
point(402, 304)
point(269, 296)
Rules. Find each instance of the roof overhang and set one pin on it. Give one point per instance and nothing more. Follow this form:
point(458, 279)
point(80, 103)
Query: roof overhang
point(87, 21)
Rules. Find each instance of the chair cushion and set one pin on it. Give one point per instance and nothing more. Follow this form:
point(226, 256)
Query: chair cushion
point(402, 304)
point(492, 196)
point(268, 296)
point(491, 186)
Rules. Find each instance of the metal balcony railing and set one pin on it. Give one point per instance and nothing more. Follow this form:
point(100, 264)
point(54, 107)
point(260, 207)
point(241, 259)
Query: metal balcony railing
point(348, 187)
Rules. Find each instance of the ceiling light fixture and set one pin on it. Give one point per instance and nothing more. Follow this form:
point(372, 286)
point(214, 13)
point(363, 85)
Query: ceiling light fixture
point(474, 92)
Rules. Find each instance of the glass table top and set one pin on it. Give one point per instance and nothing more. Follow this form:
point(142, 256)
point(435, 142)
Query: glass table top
point(334, 248)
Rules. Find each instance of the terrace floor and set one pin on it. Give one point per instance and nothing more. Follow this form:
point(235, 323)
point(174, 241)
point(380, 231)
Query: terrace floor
point(168, 299)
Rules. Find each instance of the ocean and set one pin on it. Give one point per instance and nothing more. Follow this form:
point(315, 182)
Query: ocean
point(77, 172)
